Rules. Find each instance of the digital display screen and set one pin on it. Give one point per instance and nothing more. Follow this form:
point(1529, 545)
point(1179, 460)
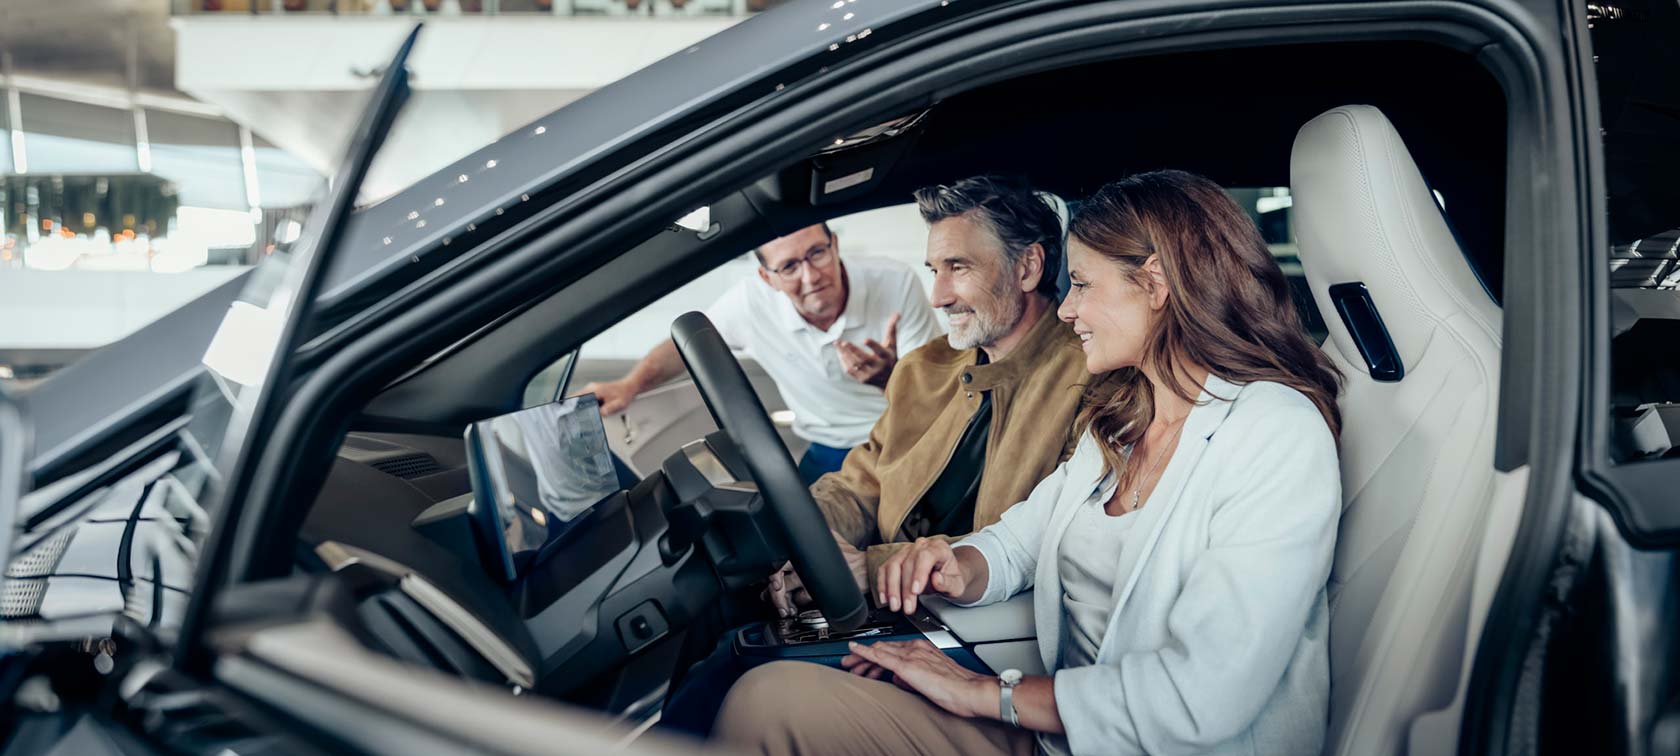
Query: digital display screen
point(536, 472)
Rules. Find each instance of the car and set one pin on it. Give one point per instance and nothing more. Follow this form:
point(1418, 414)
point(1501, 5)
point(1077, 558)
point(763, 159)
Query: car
point(284, 518)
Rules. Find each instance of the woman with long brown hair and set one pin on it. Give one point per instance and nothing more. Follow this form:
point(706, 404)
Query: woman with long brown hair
point(1178, 558)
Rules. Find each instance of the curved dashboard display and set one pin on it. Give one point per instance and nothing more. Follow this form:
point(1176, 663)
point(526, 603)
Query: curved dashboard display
point(535, 473)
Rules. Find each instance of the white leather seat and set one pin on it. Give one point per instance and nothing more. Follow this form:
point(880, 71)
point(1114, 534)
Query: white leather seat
point(1417, 452)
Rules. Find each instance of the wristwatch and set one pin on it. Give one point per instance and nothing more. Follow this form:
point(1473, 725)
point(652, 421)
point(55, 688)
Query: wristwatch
point(1007, 680)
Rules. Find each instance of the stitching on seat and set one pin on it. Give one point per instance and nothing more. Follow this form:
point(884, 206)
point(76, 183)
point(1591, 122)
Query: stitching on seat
point(1404, 595)
point(1385, 256)
point(1418, 418)
point(1414, 232)
point(1340, 585)
point(1446, 410)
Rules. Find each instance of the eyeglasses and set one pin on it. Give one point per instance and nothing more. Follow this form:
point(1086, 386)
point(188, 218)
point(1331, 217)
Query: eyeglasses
point(790, 270)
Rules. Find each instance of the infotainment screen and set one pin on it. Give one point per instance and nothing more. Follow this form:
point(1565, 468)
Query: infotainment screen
point(536, 473)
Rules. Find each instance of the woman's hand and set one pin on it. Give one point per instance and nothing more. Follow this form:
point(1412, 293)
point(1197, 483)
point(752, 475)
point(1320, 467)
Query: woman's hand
point(928, 564)
point(921, 667)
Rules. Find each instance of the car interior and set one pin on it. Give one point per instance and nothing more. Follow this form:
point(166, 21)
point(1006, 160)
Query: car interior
point(1393, 154)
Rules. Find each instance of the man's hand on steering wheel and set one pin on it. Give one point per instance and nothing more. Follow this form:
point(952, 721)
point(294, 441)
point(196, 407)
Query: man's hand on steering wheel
point(787, 593)
point(730, 398)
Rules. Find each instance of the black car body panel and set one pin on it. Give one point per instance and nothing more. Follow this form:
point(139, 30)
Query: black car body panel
point(633, 138)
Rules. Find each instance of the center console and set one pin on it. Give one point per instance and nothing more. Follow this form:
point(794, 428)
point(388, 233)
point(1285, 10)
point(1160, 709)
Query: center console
point(807, 637)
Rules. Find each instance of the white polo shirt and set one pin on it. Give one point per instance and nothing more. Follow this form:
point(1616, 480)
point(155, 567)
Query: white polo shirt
point(829, 407)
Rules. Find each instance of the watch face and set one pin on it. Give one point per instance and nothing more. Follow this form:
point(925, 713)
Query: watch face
point(1010, 676)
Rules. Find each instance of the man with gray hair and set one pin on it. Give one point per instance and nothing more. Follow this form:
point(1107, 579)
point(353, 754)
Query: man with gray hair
point(975, 419)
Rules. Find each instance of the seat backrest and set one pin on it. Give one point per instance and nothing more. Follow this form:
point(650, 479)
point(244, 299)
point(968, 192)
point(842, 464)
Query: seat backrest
point(1417, 337)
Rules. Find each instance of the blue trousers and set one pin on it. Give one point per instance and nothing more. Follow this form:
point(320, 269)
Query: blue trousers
point(699, 695)
point(820, 460)
point(695, 704)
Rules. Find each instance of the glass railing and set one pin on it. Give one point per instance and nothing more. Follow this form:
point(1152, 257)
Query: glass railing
point(374, 8)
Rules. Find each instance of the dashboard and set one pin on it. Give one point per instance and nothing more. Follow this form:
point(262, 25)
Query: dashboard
point(527, 575)
point(476, 556)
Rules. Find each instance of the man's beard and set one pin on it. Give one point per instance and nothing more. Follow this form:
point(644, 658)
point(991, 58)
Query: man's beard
point(988, 322)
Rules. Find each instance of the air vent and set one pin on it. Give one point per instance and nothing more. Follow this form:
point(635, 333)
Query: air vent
point(408, 466)
point(26, 578)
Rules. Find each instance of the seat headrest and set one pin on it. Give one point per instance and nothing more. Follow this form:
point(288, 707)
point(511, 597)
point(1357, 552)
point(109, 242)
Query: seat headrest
point(1363, 214)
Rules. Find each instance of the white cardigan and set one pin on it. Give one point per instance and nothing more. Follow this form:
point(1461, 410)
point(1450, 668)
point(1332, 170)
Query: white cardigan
point(1218, 642)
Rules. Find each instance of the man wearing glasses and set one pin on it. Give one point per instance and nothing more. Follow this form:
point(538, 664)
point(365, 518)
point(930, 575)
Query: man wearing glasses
point(829, 333)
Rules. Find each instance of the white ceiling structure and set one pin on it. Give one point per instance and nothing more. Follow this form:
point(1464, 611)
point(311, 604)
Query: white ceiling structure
point(299, 81)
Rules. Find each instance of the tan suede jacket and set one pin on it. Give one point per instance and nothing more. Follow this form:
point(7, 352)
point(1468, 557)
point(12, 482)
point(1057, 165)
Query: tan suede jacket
point(933, 393)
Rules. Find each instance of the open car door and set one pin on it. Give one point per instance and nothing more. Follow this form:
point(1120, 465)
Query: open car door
point(283, 663)
point(123, 576)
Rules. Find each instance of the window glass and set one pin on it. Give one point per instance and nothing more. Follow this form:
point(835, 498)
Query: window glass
point(283, 180)
point(894, 232)
point(1272, 210)
point(661, 419)
point(201, 156)
point(61, 136)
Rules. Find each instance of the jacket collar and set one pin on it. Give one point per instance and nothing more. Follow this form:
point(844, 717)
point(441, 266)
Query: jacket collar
point(1048, 334)
point(1205, 418)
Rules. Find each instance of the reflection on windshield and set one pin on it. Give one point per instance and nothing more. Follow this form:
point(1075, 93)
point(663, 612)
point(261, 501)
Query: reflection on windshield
point(196, 465)
point(131, 547)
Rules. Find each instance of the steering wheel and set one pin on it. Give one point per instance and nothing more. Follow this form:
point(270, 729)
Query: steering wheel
point(740, 415)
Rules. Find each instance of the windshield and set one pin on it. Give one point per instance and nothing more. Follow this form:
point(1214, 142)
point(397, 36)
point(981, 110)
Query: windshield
point(125, 537)
point(135, 535)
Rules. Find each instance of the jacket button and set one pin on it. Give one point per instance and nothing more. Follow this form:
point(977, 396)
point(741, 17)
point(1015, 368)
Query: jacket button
point(967, 377)
point(971, 394)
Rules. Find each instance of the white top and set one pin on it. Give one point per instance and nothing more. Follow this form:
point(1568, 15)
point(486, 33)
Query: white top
point(1089, 560)
point(829, 407)
point(1217, 640)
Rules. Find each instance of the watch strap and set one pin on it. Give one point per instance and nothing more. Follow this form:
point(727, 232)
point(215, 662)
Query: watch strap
point(1006, 704)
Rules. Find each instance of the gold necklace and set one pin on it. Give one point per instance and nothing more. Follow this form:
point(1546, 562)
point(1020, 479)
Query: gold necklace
point(1137, 490)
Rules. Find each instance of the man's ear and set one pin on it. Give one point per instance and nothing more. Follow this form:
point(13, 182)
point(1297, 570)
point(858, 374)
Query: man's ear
point(1156, 278)
point(764, 275)
point(1031, 267)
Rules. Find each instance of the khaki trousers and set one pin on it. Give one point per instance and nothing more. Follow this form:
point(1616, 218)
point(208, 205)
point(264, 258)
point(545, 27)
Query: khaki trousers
point(803, 709)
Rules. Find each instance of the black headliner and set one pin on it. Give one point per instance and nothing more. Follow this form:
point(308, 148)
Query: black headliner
point(1231, 115)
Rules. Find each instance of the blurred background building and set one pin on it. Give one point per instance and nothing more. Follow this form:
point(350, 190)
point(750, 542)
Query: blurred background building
point(152, 149)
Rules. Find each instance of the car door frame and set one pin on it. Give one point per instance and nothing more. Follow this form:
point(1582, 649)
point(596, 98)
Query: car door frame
point(1538, 397)
point(258, 408)
point(1561, 297)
